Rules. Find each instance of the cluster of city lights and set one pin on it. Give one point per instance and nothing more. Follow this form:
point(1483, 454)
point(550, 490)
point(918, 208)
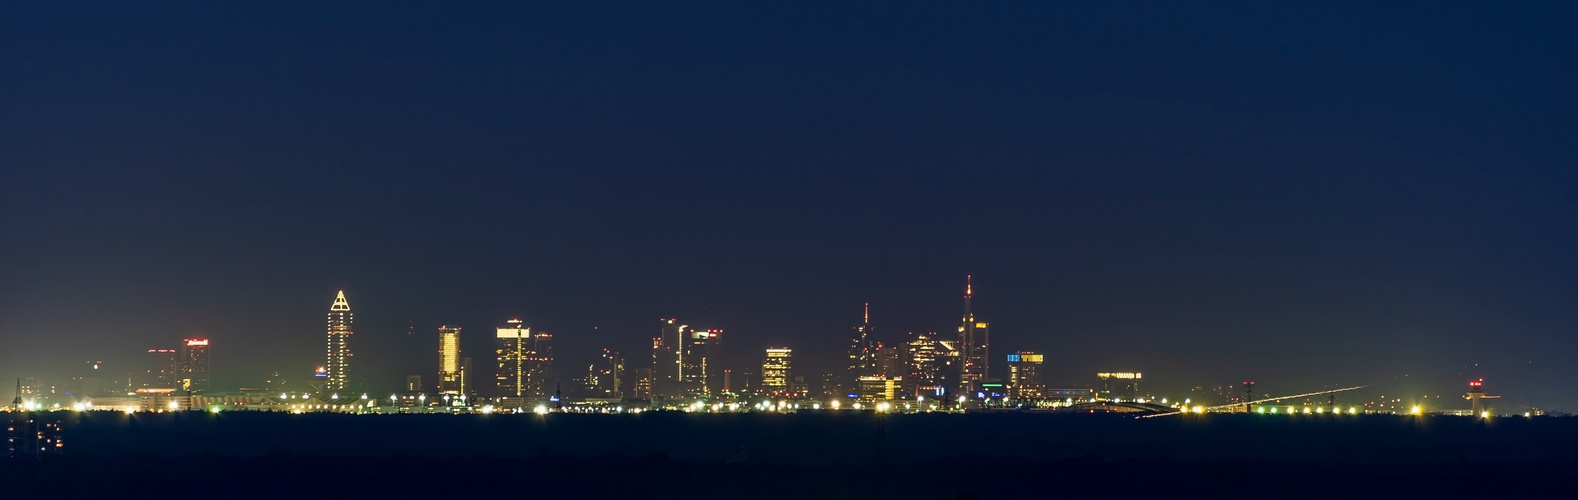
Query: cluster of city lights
point(369, 405)
point(1292, 410)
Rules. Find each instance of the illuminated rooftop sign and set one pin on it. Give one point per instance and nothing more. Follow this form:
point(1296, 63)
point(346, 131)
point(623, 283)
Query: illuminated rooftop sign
point(1025, 357)
point(1122, 375)
point(514, 331)
point(196, 342)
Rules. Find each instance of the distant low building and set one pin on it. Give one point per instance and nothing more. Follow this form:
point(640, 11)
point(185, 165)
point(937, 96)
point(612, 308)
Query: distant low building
point(874, 389)
point(1119, 385)
point(31, 435)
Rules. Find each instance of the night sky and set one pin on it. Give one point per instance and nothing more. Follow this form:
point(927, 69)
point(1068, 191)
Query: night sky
point(1308, 196)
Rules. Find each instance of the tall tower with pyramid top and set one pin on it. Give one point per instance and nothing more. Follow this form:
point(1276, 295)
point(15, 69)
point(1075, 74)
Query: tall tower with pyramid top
point(339, 337)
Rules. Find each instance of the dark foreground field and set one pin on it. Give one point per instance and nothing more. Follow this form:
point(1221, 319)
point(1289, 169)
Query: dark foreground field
point(839, 455)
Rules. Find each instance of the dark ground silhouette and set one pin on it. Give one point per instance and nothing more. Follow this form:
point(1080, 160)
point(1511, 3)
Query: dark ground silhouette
point(838, 455)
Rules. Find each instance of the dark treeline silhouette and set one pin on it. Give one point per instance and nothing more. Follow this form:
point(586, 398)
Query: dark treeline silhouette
point(656, 476)
point(812, 455)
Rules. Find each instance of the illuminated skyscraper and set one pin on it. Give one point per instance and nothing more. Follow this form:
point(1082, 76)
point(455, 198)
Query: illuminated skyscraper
point(929, 361)
point(973, 347)
point(643, 384)
point(449, 376)
point(1024, 375)
point(775, 371)
point(611, 376)
point(666, 349)
point(891, 361)
point(539, 366)
point(874, 389)
point(862, 355)
point(193, 366)
point(698, 359)
point(163, 370)
point(514, 347)
point(337, 375)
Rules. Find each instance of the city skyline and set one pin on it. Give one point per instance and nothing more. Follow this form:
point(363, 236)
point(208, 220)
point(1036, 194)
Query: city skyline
point(524, 361)
point(1300, 196)
point(683, 368)
point(789, 250)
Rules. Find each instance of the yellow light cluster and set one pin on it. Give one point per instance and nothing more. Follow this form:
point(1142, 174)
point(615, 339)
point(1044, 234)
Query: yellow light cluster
point(1119, 375)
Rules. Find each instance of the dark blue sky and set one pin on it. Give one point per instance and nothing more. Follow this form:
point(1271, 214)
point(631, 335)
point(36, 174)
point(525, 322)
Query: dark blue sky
point(1302, 195)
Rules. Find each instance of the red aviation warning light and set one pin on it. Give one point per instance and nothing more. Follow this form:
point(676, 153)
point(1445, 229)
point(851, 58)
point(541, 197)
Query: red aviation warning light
point(1476, 393)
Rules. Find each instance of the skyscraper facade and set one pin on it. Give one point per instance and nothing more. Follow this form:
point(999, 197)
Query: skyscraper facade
point(163, 369)
point(513, 348)
point(193, 366)
point(449, 376)
point(1024, 375)
point(924, 376)
point(862, 355)
point(775, 371)
point(1119, 385)
point(337, 368)
point(642, 388)
point(666, 349)
point(698, 370)
point(973, 347)
point(612, 374)
point(539, 366)
point(891, 361)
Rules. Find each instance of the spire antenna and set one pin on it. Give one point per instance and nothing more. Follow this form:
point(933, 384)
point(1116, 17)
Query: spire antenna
point(868, 313)
point(969, 293)
point(18, 401)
